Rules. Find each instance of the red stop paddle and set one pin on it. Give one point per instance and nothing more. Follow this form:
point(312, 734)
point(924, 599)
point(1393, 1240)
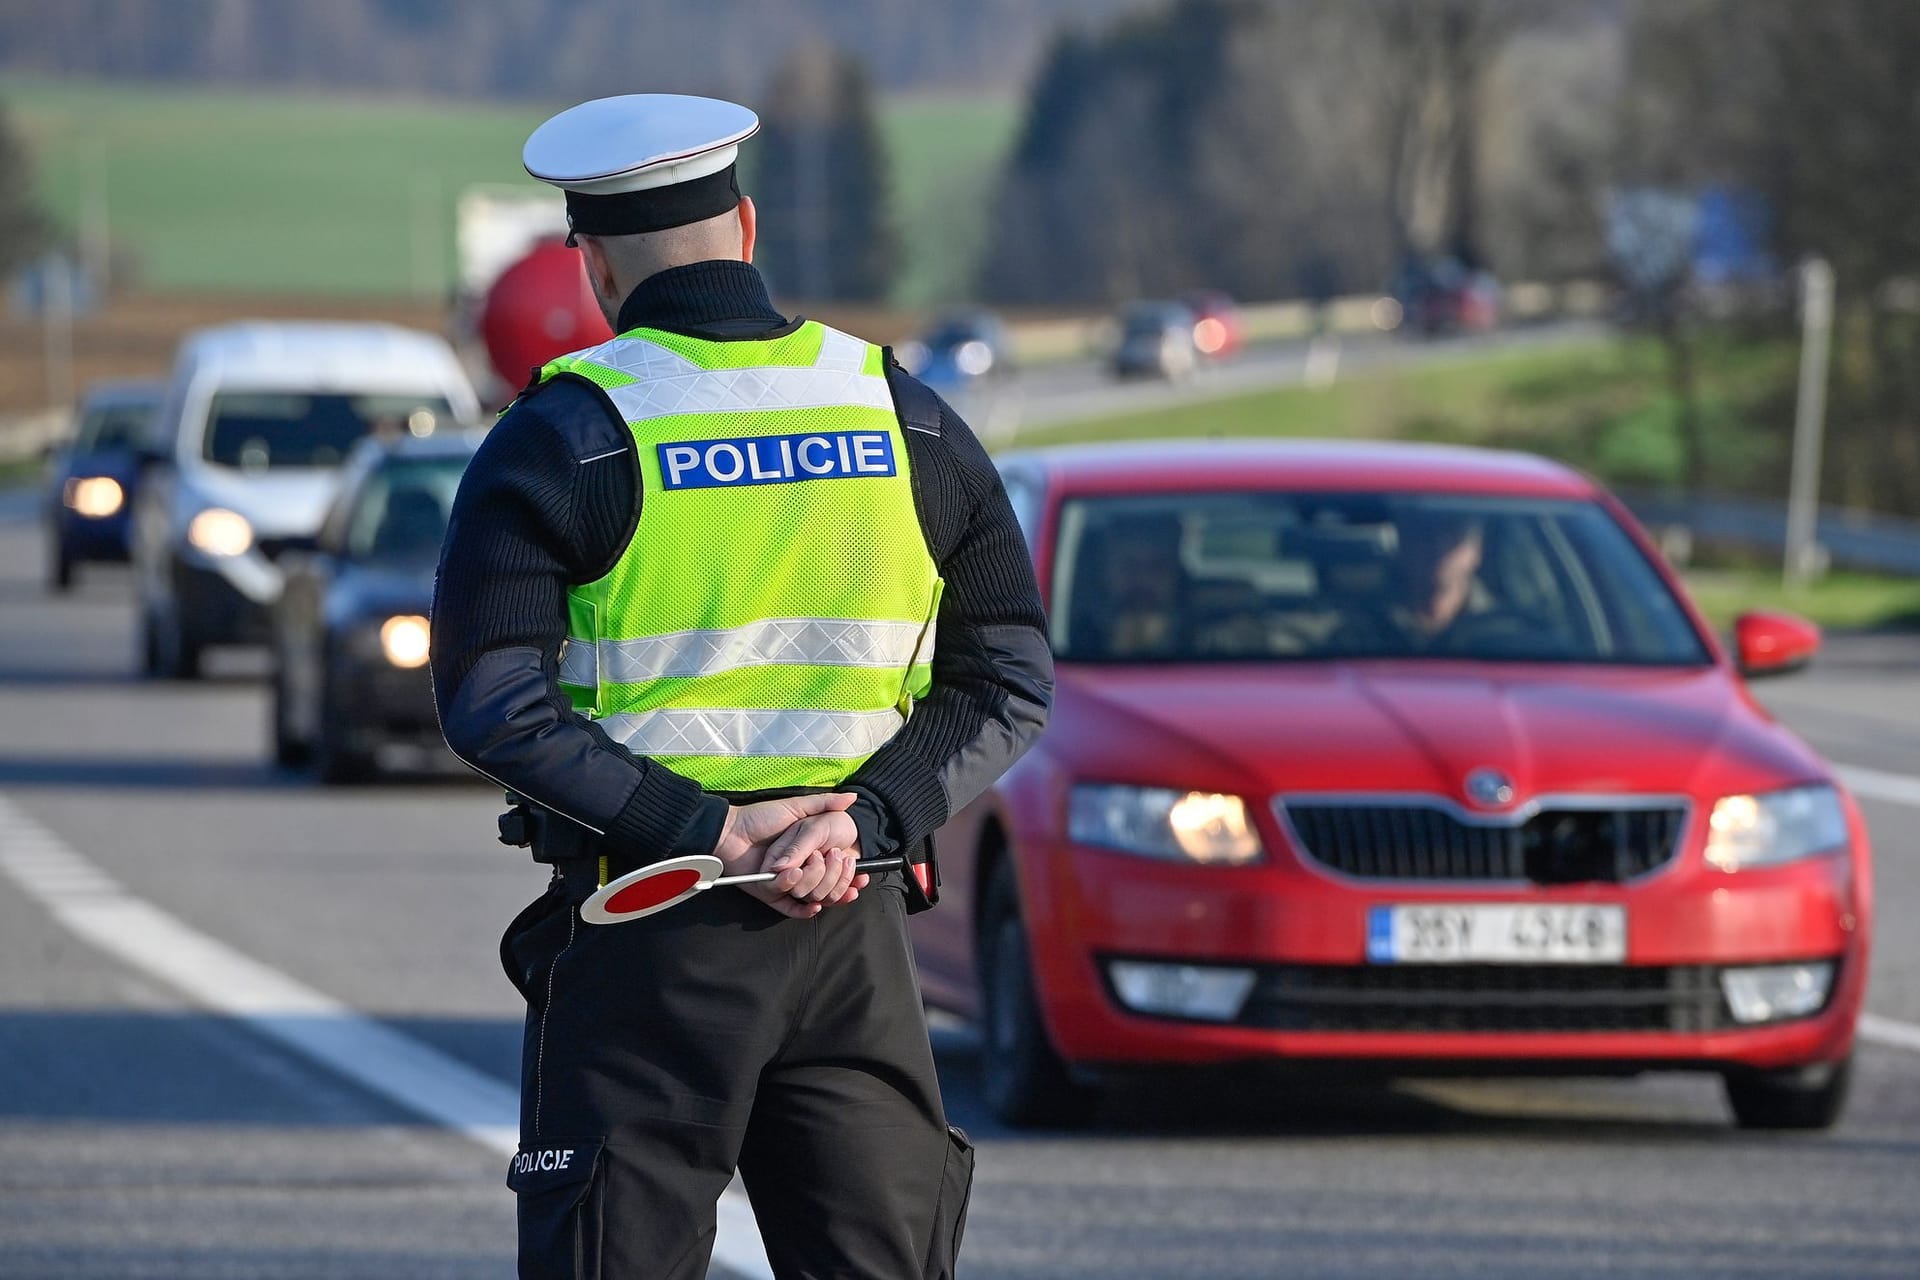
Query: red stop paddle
point(660, 885)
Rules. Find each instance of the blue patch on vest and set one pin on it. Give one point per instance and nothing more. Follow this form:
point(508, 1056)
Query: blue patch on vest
point(816, 455)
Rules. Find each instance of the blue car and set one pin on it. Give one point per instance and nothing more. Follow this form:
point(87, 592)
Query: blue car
point(92, 478)
point(962, 348)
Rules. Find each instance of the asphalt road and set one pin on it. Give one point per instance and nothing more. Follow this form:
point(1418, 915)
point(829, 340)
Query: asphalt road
point(216, 980)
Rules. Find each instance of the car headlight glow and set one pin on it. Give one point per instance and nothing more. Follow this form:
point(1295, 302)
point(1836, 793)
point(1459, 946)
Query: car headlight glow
point(1774, 827)
point(973, 357)
point(220, 532)
point(405, 639)
point(912, 355)
point(94, 496)
point(1210, 335)
point(1159, 822)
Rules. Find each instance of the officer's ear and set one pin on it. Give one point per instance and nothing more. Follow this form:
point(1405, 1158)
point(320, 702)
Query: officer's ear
point(749, 225)
point(599, 267)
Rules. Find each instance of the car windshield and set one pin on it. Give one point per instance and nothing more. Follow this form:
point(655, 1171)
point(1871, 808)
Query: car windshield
point(1153, 318)
point(120, 425)
point(401, 514)
point(1275, 576)
point(255, 430)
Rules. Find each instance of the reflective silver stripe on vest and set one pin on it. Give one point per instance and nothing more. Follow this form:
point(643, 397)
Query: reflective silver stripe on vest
point(817, 642)
point(670, 383)
point(834, 735)
point(772, 388)
point(577, 665)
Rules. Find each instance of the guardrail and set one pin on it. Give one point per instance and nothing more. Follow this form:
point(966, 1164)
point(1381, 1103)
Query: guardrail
point(1851, 539)
point(1070, 338)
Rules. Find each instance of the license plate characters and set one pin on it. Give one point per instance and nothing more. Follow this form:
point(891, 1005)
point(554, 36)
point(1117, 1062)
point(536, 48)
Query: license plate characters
point(1497, 933)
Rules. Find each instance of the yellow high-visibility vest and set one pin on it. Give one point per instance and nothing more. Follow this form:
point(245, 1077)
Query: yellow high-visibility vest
point(771, 622)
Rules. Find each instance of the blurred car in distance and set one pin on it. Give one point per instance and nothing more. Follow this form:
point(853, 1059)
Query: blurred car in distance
point(1219, 330)
point(1437, 297)
point(256, 422)
point(92, 479)
point(961, 348)
point(351, 690)
point(1401, 755)
point(1156, 340)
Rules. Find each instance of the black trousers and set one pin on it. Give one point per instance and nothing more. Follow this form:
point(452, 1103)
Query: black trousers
point(663, 1053)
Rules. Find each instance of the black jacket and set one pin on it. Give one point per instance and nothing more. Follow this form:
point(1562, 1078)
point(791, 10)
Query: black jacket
point(552, 499)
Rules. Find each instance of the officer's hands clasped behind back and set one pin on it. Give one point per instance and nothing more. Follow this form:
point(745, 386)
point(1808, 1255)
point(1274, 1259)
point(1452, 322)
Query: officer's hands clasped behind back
point(809, 839)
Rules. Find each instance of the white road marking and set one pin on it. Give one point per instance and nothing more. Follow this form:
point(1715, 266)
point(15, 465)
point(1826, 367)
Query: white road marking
point(1875, 784)
point(1890, 1032)
point(397, 1067)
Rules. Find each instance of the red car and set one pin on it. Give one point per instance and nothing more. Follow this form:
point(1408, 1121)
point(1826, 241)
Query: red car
point(1412, 755)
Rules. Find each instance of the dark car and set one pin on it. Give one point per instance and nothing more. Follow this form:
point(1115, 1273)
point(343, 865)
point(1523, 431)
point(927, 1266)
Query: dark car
point(351, 692)
point(1438, 297)
point(959, 349)
point(92, 478)
point(1156, 341)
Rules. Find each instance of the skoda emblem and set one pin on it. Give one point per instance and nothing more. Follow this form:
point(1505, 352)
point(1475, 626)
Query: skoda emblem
point(1489, 788)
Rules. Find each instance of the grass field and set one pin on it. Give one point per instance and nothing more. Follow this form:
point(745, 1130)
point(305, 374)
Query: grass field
point(1842, 601)
point(946, 154)
point(267, 192)
point(1602, 406)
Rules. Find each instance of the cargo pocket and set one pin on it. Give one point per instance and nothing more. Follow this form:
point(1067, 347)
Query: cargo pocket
point(950, 1211)
point(533, 936)
point(560, 1191)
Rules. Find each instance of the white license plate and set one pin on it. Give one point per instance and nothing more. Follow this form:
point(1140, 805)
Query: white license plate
point(1474, 934)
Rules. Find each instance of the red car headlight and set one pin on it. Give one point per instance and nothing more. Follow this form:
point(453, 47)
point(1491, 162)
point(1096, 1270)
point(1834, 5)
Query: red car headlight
point(1159, 822)
point(1775, 827)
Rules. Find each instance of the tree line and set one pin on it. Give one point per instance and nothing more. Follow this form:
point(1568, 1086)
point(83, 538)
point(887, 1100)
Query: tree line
point(1285, 148)
point(1300, 147)
point(550, 49)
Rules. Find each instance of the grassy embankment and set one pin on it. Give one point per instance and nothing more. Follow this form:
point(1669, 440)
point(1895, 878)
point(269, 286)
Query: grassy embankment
point(1602, 406)
point(247, 191)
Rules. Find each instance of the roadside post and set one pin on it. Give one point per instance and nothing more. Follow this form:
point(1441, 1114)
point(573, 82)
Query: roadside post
point(1809, 423)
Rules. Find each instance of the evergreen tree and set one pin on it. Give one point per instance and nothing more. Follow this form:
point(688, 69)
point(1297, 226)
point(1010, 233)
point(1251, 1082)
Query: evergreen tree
point(821, 183)
point(23, 230)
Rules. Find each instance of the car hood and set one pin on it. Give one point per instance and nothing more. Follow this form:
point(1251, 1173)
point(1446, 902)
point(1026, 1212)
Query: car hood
point(363, 591)
point(287, 503)
point(120, 464)
point(1423, 727)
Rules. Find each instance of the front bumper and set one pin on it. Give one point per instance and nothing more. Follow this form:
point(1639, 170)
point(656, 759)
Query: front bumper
point(383, 709)
point(1316, 996)
point(216, 611)
point(92, 538)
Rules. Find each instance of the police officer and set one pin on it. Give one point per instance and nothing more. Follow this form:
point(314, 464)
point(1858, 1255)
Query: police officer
point(734, 584)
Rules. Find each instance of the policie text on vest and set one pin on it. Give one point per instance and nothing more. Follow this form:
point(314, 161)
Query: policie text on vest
point(821, 455)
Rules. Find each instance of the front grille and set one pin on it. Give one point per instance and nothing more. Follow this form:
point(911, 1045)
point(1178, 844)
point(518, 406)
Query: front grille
point(1429, 841)
point(1487, 997)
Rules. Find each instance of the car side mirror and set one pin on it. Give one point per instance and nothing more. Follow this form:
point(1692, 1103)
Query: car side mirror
point(1773, 644)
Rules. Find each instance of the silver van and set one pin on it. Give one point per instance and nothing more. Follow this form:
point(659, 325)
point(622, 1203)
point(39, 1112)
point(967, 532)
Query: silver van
point(256, 422)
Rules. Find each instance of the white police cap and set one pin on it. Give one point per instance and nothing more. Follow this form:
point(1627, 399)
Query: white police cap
point(642, 161)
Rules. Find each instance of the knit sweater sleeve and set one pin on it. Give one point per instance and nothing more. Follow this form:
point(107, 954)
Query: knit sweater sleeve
point(549, 500)
point(992, 669)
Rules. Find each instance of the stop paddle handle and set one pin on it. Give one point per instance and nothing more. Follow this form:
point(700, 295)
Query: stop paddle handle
point(659, 885)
